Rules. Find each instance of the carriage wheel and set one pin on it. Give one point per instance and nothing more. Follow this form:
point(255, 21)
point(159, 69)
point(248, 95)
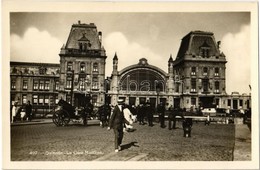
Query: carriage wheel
point(64, 118)
point(55, 118)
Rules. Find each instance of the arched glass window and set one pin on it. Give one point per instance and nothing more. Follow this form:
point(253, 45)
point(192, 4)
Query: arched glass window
point(142, 80)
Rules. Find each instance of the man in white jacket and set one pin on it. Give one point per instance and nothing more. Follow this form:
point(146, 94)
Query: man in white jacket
point(128, 116)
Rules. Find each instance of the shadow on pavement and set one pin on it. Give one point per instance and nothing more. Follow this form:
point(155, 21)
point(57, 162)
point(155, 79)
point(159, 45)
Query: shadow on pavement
point(129, 145)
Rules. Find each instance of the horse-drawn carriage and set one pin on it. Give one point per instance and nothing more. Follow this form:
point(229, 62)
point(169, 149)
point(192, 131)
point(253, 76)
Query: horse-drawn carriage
point(66, 112)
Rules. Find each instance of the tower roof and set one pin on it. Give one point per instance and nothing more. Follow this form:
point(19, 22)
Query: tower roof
point(193, 41)
point(115, 57)
point(83, 32)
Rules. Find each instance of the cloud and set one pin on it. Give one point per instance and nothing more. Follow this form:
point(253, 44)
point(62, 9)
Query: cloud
point(236, 47)
point(128, 53)
point(35, 46)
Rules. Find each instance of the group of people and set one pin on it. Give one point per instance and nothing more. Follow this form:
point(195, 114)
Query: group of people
point(23, 112)
point(121, 117)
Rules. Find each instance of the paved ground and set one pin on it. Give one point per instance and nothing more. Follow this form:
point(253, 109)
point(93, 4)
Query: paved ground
point(46, 142)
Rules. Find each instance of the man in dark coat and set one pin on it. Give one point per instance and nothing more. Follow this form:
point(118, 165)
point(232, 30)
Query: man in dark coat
point(161, 113)
point(28, 111)
point(116, 122)
point(149, 113)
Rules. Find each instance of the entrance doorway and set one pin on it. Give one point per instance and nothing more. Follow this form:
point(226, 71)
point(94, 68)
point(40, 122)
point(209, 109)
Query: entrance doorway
point(142, 100)
point(152, 102)
point(176, 102)
point(235, 103)
point(132, 101)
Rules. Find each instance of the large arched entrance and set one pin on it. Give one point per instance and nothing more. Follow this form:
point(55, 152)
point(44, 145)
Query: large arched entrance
point(142, 82)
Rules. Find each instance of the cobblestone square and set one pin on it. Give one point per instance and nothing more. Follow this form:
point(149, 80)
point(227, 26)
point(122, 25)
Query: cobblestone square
point(46, 142)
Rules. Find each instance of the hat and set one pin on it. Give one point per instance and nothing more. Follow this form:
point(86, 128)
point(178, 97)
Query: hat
point(120, 101)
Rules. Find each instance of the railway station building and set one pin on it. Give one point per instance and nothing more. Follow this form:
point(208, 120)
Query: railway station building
point(195, 78)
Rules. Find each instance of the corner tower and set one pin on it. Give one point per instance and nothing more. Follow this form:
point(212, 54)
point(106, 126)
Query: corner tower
point(82, 66)
point(199, 71)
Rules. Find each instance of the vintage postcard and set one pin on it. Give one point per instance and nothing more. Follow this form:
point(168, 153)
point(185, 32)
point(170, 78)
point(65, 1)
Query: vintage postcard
point(130, 85)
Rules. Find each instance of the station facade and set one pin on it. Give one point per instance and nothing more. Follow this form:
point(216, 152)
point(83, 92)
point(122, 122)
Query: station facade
point(196, 78)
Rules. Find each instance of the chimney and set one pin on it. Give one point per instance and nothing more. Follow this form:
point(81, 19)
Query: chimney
point(78, 21)
point(100, 37)
point(219, 43)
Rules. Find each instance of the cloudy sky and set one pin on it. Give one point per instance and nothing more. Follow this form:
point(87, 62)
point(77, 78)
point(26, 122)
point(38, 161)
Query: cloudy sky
point(38, 37)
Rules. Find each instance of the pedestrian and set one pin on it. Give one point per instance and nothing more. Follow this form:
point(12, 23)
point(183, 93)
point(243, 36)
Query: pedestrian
point(149, 113)
point(116, 122)
point(170, 117)
point(28, 111)
point(141, 113)
point(15, 110)
point(177, 112)
point(129, 117)
point(161, 113)
point(103, 113)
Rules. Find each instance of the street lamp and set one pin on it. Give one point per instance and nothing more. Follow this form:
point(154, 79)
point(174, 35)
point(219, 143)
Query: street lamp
point(157, 88)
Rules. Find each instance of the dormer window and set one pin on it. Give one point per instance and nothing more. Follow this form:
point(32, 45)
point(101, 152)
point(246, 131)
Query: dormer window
point(42, 70)
point(204, 50)
point(84, 43)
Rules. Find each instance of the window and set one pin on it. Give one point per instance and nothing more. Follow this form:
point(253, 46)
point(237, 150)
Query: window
point(35, 99)
point(193, 85)
point(47, 85)
point(41, 85)
point(204, 51)
point(229, 102)
point(41, 98)
point(42, 70)
point(57, 83)
point(26, 71)
point(13, 86)
point(14, 70)
point(24, 96)
point(205, 71)
point(193, 101)
point(68, 83)
point(216, 87)
point(193, 71)
point(69, 66)
point(35, 84)
point(80, 46)
point(25, 84)
point(82, 83)
point(94, 100)
point(241, 102)
point(46, 100)
point(216, 72)
point(82, 67)
point(95, 67)
point(95, 82)
point(205, 84)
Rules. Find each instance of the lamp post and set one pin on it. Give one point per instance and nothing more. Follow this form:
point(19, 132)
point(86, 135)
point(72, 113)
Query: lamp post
point(157, 89)
point(72, 86)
